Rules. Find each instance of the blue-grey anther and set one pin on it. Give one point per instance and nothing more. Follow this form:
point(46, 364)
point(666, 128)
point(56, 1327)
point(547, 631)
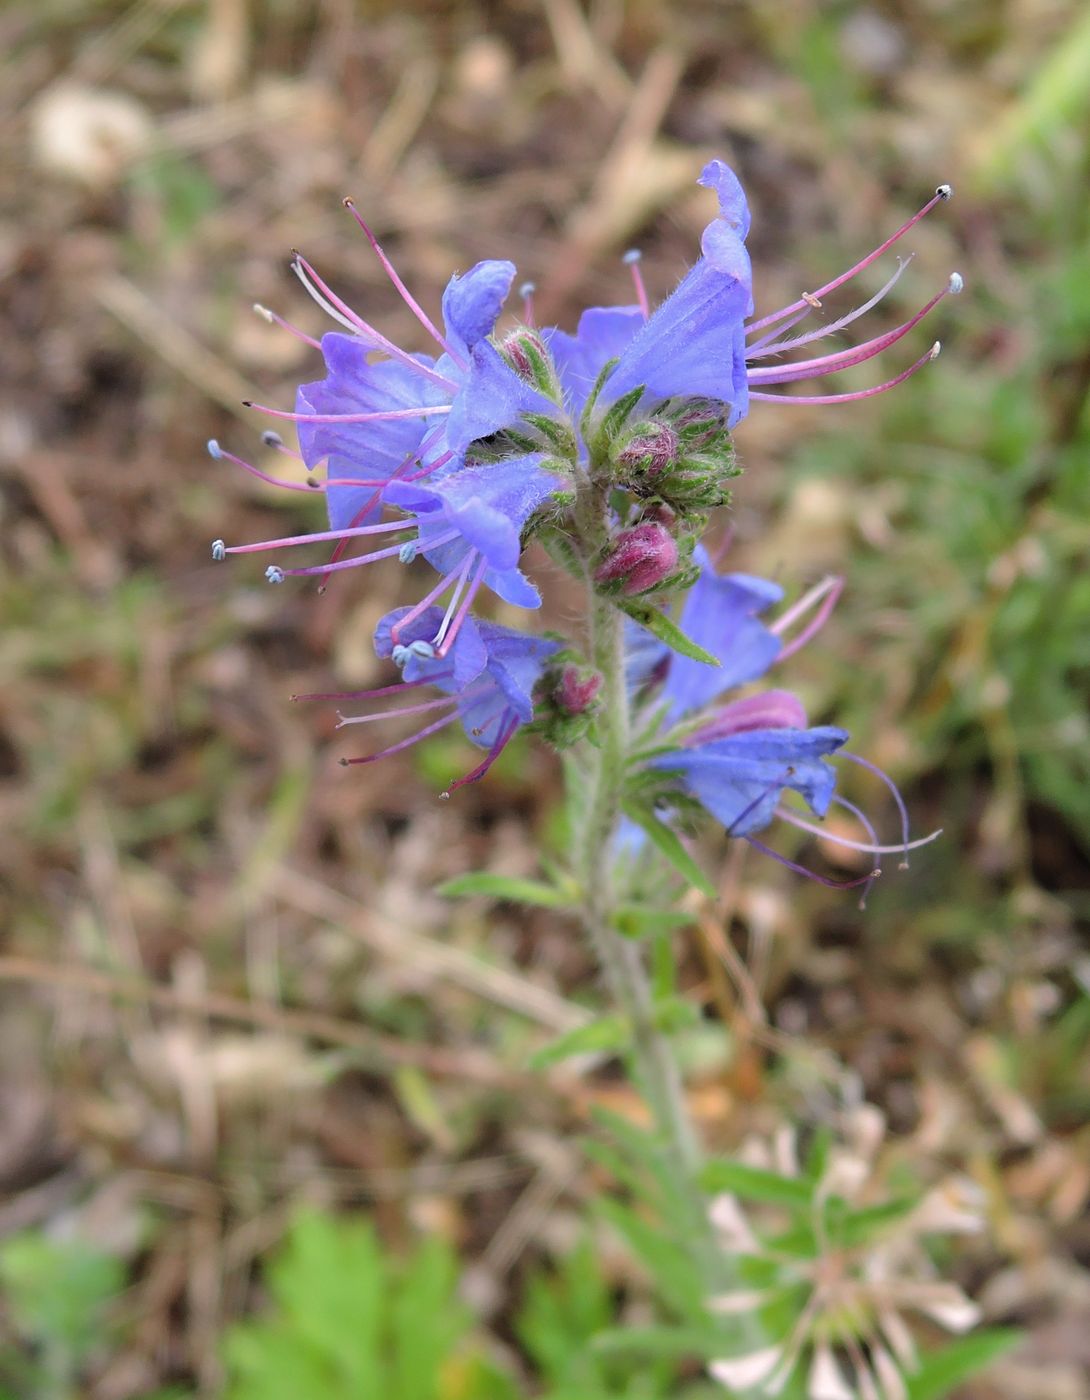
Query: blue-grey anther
point(219, 551)
point(274, 574)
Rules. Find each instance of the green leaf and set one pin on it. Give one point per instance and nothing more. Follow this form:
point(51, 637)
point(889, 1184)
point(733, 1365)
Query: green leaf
point(955, 1363)
point(610, 1034)
point(634, 921)
point(659, 1341)
point(756, 1184)
point(509, 887)
point(665, 629)
point(669, 843)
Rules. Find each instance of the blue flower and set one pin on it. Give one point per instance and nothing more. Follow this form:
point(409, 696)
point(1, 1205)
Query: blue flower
point(736, 761)
point(486, 681)
point(472, 519)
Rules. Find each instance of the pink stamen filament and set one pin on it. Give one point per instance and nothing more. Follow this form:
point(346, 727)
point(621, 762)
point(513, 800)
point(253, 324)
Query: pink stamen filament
point(780, 783)
point(429, 598)
point(321, 536)
point(865, 822)
point(386, 416)
point(460, 616)
point(274, 319)
point(814, 399)
point(362, 559)
point(503, 739)
point(943, 192)
point(444, 700)
point(843, 359)
point(633, 258)
point(884, 777)
point(869, 847)
point(813, 874)
point(826, 593)
point(428, 441)
point(526, 291)
point(403, 743)
point(377, 694)
point(769, 345)
point(221, 453)
point(341, 312)
point(408, 298)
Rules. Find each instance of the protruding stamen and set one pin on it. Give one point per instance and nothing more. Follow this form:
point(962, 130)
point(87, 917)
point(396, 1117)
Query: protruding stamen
point(943, 192)
point(632, 260)
point(826, 593)
point(443, 702)
point(868, 847)
point(809, 874)
point(398, 688)
point(452, 622)
point(386, 416)
point(322, 569)
point(896, 792)
point(275, 320)
point(770, 345)
point(526, 292)
point(383, 527)
point(502, 740)
point(778, 785)
point(932, 354)
point(404, 743)
point(219, 551)
point(406, 296)
point(217, 453)
point(343, 314)
point(856, 355)
point(865, 822)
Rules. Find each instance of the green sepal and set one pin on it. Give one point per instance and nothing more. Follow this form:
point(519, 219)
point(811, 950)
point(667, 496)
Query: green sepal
point(665, 629)
point(561, 549)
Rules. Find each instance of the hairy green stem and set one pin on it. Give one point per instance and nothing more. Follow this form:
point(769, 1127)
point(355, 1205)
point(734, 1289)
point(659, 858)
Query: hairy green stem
point(621, 958)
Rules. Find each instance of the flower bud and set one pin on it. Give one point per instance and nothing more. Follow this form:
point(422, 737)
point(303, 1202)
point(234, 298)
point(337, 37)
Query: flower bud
point(650, 450)
point(576, 690)
point(566, 702)
point(528, 356)
point(639, 559)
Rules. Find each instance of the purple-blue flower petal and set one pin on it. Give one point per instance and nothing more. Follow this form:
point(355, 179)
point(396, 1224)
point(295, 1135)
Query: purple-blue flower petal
point(361, 450)
point(473, 301)
point(491, 397)
point(603, 334)
point(740, 779)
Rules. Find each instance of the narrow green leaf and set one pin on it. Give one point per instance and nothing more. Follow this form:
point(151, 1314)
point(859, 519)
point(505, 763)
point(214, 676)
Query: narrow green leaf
point(669, 843)
point(610, 1034)
point(658, 1341)
point(510, 887)
point(634, 921)
point(955, 1363)
point(755, 1184)
point(665, 629)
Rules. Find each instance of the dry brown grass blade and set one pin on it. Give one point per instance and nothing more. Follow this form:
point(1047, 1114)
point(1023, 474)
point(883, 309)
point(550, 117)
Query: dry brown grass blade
point(381, 1051)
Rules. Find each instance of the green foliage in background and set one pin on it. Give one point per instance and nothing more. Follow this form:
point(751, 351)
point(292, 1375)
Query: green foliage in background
point(55, 1296)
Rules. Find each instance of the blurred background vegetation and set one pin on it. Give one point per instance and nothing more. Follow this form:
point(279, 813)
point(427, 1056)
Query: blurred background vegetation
point(230, 992)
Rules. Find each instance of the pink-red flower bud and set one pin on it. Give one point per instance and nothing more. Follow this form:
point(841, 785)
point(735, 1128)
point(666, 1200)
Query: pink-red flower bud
point(576, 690)
point(638, 560)
point(651, 450)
